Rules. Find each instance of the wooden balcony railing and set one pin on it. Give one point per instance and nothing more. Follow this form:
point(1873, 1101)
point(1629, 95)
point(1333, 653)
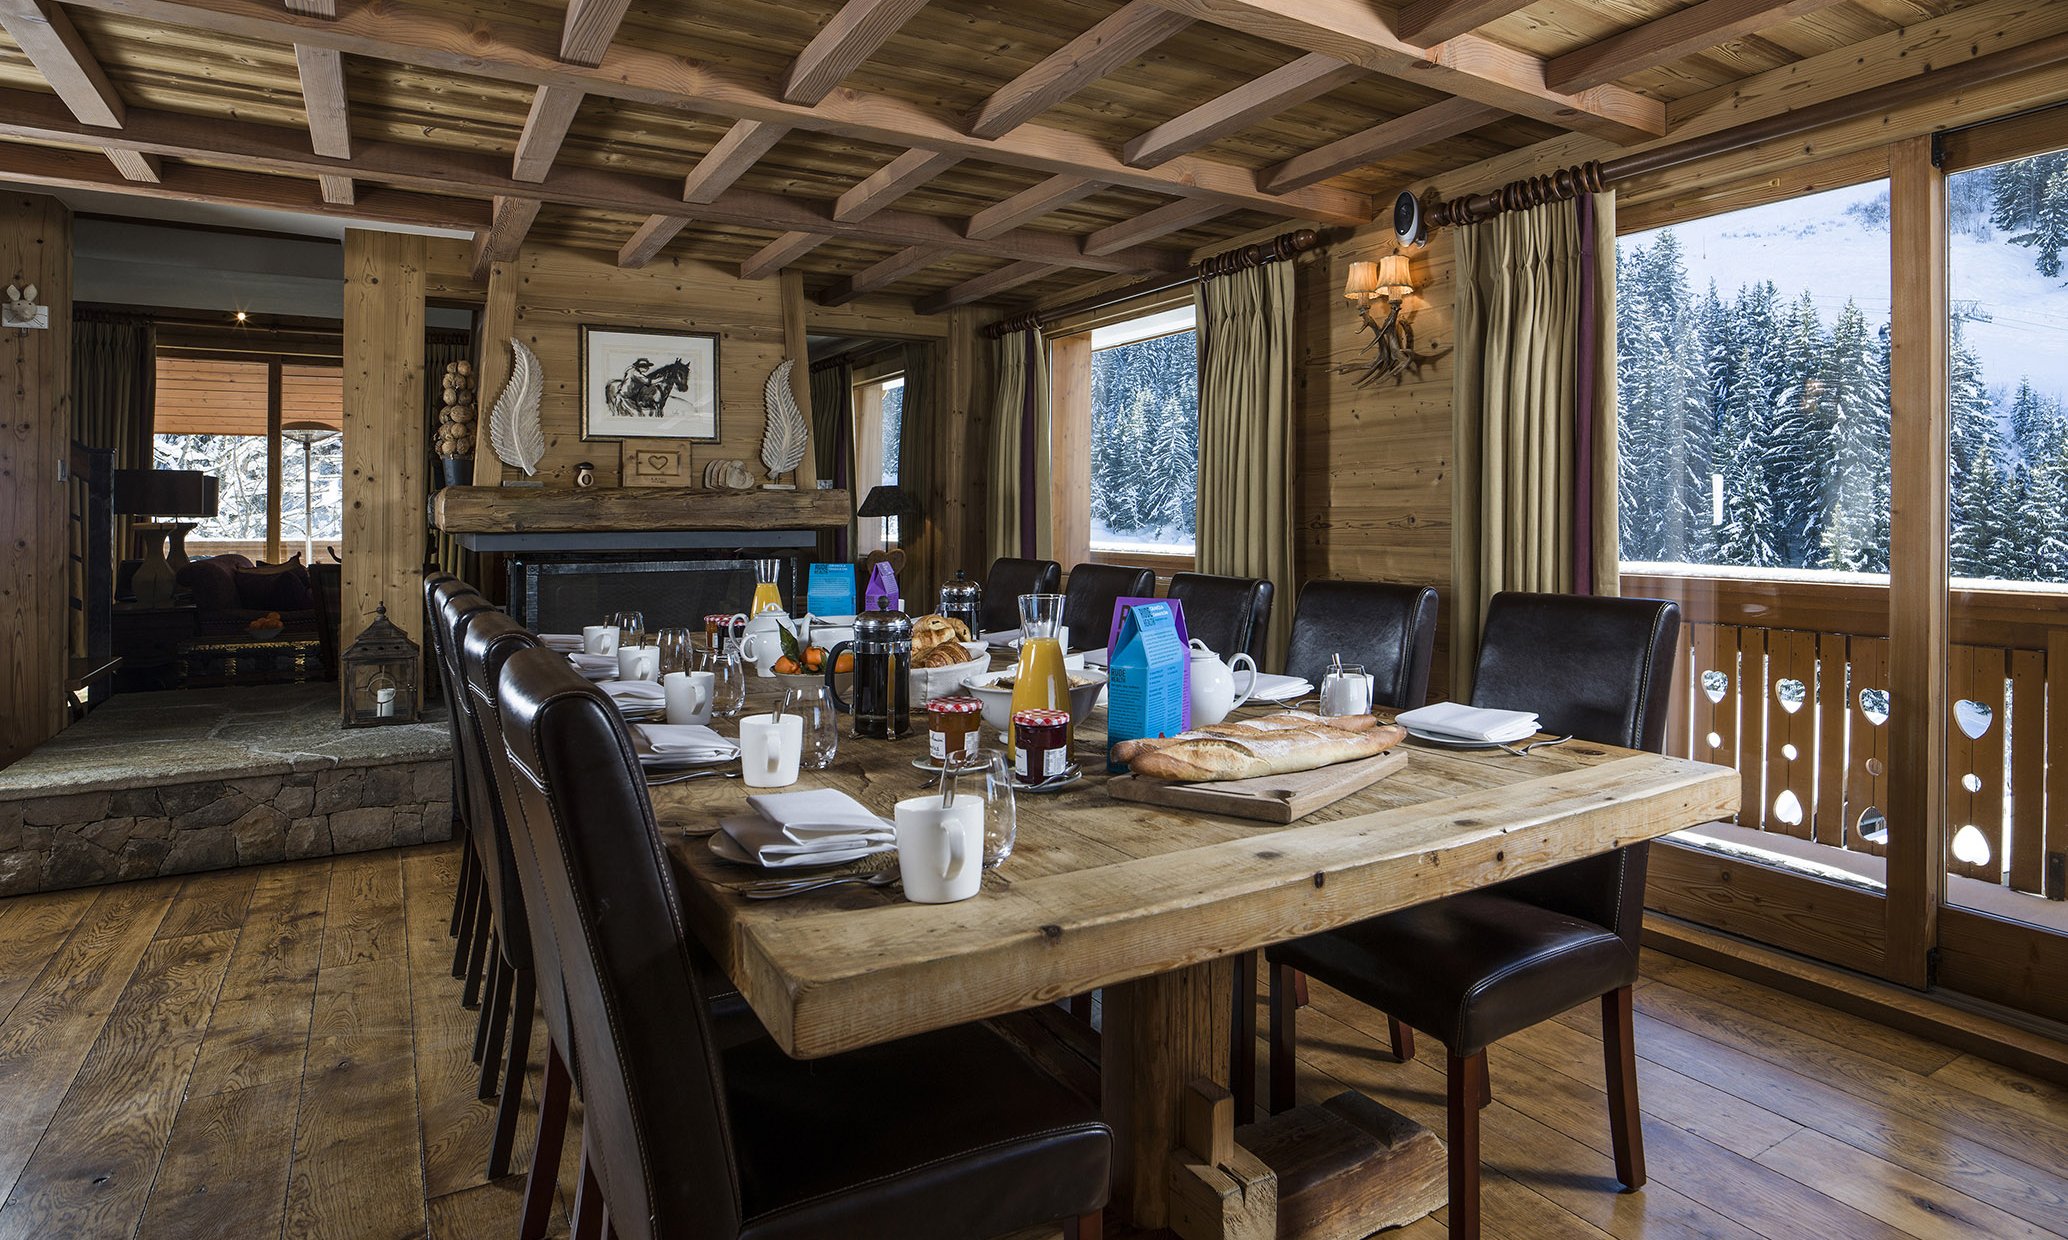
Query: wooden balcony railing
point(1786, 679)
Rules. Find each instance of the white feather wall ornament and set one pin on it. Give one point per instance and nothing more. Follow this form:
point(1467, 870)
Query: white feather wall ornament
point(788, 434)
point(513, 428)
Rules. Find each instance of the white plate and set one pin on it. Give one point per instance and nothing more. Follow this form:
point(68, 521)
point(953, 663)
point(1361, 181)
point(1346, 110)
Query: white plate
point(725, 848)
point(1273, 688)
point(1458, 742)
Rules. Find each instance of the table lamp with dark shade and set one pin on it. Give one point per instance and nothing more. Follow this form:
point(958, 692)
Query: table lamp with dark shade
point(887, 501)
point(163, 493)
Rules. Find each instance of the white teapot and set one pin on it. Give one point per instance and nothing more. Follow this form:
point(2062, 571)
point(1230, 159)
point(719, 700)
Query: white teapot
point(1211, 684)
point(762, 641)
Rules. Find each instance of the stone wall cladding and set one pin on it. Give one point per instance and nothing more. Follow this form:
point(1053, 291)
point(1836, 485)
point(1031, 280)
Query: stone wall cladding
point(82, 838)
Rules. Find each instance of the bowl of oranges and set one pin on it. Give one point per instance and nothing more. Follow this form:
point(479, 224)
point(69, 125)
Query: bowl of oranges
point(803, 666)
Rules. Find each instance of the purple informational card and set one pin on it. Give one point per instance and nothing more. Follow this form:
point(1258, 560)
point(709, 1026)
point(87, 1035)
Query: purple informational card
point(1177, 611)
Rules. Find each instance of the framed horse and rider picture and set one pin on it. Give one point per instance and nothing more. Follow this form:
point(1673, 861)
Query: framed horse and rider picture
point(649, 384)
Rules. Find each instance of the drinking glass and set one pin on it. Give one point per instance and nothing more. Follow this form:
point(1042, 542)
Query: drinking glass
point(987, 774)
point(631, 628)
point(728, 680)
point(678, 650)
point(814, 704)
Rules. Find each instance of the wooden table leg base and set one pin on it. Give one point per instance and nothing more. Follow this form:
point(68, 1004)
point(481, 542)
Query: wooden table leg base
point(1347, 1167)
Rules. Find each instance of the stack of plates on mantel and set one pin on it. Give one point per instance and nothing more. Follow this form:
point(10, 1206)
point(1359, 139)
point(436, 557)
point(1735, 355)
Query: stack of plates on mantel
point(1467, 727)
point(665, 746)
point(565, 643)
point(594, 666)
point(793, 829)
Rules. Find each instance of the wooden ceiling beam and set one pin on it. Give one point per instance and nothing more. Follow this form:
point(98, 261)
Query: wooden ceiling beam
point(891, 182)
point(39, 117)
point(63, 169)
point(728, 160)
point(1169, 218)
point(881, 274)
point(842, 44)
point(1125, 34)
point(48, 38)
point(990, 284)
point(588, 29)
point(1383, 141)
point(1668, 38)
point(649, 239)
point(545, 128)
point(322, 73)
point(1288, 86)
point(417, 34)
point(1028, 205)
point(1467, 66)
point(1432, 21)
point(780, 253)
point(509, 220)
point(136, 166)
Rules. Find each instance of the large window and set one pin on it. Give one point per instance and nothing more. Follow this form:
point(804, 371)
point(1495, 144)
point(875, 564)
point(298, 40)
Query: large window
point(879, 410)
point(216, 415)
point(1145, 435)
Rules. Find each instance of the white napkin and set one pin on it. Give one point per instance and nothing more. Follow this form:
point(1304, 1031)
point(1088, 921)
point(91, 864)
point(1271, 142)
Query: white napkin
point(592, 663)
point(817, 827)
point(565, 643)
point(1274, 688)
point(635, 692)
point(682, 743)
point(1470, 723)
point(1000, 637)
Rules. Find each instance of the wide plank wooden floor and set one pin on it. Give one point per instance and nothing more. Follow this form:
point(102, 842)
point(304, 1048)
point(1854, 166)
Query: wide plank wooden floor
point(281, 1051)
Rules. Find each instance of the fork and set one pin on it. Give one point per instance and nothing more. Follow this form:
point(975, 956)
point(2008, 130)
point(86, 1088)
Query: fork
point(663, 781)
point(778, 888)
point(1524, 750)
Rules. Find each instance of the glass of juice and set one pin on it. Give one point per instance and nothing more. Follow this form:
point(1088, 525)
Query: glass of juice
point(766, 596)
point(1041, 681)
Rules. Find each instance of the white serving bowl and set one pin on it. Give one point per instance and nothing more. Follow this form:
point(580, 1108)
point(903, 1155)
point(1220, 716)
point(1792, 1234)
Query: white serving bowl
point(997, 699)
point(929, 683)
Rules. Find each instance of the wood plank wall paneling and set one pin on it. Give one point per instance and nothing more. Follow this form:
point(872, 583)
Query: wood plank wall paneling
point(35, 411)
point(221, 396)
point(385, 432)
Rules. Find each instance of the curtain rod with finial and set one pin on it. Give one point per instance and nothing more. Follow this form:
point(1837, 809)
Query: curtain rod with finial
point(1279, 248)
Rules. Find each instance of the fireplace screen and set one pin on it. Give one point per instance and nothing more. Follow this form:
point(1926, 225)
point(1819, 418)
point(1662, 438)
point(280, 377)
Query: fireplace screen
point(562, 595)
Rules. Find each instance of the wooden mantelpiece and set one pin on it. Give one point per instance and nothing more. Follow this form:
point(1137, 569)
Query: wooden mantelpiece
point(526, 510)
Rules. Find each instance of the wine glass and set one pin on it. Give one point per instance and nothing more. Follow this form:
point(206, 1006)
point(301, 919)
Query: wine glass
point(814, 704)
point(631, 628)
point(678, 649)
point(728, 679)
point(987, 775)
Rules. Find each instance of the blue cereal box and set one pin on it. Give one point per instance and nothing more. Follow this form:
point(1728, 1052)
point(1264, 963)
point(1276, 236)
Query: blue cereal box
point(1145, 695)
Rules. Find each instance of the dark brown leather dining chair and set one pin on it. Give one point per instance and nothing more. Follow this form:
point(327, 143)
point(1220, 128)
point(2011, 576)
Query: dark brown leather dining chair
point(1472, 968)
point(1230, 614)
point(467, 887)
point(1009, 578)
point(1390, 630)
point(1091, 594)
point(949, 1134)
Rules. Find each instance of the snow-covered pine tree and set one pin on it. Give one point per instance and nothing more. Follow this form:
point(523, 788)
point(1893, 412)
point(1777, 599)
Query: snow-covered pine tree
point(1856, 531)
point(1977, 496)
point(1751, 535)
point(1798, 448)
point(2044, 519)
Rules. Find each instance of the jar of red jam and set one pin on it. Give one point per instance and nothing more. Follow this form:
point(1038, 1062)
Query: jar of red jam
point(1041, 742)
point(953, 726)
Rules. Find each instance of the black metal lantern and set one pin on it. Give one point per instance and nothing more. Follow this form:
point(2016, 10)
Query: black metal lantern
point(380, 676)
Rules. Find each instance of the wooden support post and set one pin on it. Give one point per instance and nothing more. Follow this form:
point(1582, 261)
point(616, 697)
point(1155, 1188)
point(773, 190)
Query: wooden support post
point(492, 367)
point(273, 461)
point(1218, 1190)
point(385, 433)
point(36, 375)
point(1159, 1035)
point(797, 347)
point(1348, 1167)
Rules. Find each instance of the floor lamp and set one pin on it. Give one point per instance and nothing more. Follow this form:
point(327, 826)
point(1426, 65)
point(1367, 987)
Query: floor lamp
point(306, 434)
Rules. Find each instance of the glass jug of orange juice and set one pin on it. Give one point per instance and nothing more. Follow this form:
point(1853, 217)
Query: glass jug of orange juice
point(766, 596)
point(1041, 681)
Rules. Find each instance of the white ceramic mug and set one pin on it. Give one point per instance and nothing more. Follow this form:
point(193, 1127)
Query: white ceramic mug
point(1347, 693)
point(600, 639)
point(689, 696)
point(639, 663)
point(940, 851)
point(769, 750)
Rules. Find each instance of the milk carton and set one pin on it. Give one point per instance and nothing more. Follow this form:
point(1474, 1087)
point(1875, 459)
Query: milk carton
point(1146, 693)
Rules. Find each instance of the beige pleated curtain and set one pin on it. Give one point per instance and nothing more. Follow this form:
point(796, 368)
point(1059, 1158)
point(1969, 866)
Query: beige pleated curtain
point(1245, 519)
point(1019, 505)
point(919, 439)
point(1535, 416)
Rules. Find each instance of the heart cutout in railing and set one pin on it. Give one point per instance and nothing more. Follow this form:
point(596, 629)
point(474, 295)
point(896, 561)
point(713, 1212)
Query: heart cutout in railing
point(1874, 705)
point(1873, 826)
point(1970, 846)
point(1791, 694)
point(1715, 684)
point(1788, 807)
point(1973, 718)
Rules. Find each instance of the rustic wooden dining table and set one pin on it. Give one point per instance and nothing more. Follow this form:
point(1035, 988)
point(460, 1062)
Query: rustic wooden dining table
point(1150, 904)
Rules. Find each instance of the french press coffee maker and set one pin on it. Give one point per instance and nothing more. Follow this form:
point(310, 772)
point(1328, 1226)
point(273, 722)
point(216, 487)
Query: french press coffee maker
point(963, 599)
point(882, 649)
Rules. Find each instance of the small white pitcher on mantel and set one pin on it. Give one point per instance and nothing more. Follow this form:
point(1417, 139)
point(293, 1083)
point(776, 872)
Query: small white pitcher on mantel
point(1212, 684)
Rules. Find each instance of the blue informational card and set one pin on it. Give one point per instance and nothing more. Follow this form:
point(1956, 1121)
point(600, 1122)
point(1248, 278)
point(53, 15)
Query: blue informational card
point(829, 591)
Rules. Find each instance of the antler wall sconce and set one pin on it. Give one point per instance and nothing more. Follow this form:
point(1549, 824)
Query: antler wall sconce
point(1388, 280)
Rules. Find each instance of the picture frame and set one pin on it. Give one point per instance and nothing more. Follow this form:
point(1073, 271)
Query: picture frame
point(653, 463)
point(648, 383)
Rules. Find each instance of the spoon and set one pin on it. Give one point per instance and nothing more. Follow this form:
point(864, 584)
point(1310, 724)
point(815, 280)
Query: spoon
point(777, 889)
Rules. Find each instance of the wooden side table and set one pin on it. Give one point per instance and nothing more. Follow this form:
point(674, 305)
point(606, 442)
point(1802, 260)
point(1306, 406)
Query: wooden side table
point(148, 640)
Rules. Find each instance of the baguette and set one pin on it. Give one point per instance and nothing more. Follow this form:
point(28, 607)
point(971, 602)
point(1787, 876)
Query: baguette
point(1288, 720)
point(1283, 751)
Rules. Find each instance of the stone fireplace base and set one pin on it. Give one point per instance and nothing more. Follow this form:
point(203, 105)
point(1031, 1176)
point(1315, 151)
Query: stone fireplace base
point(168, 783)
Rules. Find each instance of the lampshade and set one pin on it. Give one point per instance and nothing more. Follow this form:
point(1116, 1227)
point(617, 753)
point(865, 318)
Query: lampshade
point(1363, 284)
point(165, 493)
point(889, 500)
point(1394, 279)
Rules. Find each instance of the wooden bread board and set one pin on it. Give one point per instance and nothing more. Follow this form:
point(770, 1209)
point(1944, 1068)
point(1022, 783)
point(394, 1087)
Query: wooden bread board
point(1265, 798)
